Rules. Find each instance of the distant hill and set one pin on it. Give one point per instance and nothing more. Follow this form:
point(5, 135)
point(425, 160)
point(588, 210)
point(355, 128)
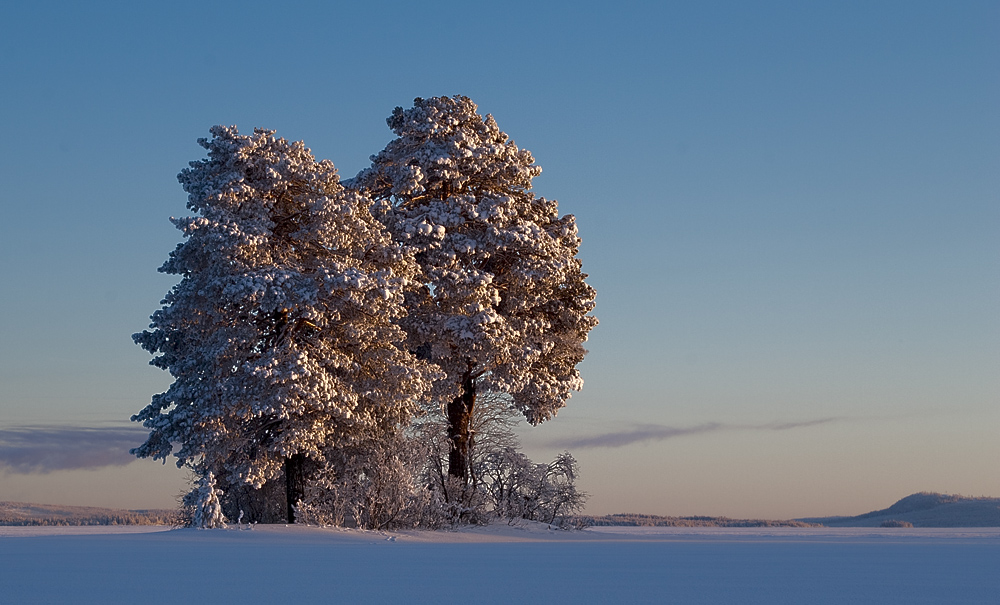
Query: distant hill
point(21, 513)
point(925, 509)
point(636, 520)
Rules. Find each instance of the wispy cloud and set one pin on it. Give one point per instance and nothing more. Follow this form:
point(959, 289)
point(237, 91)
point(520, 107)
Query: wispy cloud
point(797, 425)
point(659, 432)
point(43, 449)
point(643, 432)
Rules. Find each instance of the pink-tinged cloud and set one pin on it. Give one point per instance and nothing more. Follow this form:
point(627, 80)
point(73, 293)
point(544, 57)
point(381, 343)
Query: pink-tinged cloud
point(659, 432)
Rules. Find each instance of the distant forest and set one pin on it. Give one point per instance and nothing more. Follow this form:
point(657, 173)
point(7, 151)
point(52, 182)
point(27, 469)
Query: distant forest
point(635, 520)
point(20, 513)
point(924, 509)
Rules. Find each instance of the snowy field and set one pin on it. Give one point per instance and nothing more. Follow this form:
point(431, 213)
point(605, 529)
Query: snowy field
point(499, 564)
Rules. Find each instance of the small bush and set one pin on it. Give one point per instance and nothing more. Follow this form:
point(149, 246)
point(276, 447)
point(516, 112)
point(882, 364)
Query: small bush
point(895, 523)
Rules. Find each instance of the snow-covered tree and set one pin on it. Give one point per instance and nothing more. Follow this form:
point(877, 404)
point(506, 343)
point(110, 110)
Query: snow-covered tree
point(281, 335)
point(504, 306)
point(208, 509)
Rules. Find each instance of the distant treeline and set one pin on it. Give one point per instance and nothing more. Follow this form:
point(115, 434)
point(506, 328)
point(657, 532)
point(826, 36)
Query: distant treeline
point(17, 513)
point(637, 520)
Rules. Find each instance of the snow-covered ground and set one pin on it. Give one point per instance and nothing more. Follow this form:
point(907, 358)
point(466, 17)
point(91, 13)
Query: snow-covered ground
point(499, 564)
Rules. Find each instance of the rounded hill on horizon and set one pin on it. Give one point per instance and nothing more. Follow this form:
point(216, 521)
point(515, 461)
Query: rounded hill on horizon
point(925, 509)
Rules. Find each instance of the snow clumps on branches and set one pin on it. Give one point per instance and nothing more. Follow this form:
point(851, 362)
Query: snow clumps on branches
point(281, 334)
point(505, 306)
point(313, 322)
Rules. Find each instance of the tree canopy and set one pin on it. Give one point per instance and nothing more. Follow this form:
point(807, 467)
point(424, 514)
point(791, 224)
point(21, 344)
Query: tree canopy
point(504, 305)
point(280, 335)
point(313, 321)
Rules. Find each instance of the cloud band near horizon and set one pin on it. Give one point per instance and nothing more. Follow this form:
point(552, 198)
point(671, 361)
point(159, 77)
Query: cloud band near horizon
point(43, 449)
point(659, 432)
point(30, 450)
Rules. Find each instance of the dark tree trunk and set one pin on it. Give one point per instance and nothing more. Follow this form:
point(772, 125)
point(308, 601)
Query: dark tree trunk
point(460, 429)
point(294, 483)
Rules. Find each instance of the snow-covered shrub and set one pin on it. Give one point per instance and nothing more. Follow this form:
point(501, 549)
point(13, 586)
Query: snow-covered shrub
point(503, 482)
point(521, 489)
point(372, 485)
point(458, 502)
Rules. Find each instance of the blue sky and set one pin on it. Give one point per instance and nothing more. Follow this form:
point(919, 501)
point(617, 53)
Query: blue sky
point(789, 211)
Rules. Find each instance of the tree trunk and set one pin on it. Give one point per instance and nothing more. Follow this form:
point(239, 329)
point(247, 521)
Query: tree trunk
point(460, 429)
point(294, 483)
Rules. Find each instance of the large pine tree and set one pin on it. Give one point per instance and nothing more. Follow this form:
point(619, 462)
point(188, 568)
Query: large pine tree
point(503, 306)
point(280, 335)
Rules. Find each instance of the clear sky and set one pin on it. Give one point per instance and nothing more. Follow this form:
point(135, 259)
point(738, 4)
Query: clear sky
point(790, 212)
